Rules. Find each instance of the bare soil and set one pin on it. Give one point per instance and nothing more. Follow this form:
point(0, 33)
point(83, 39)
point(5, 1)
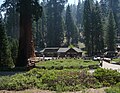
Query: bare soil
point(101, 90)
point(28, 91)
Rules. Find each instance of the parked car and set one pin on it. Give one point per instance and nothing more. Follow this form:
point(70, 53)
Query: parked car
point(96, 58)
point(107, 59)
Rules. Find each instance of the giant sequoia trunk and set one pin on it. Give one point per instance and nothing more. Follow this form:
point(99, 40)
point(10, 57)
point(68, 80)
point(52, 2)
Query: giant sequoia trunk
point(26, 44)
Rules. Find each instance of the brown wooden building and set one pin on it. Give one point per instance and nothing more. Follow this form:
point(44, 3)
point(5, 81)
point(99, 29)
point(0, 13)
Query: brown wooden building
point(49, 52)
point(69, 52)
point(61, 52)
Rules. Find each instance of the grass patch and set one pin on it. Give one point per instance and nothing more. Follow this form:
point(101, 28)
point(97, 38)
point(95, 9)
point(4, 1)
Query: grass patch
point(67, 63)
point(116, 60)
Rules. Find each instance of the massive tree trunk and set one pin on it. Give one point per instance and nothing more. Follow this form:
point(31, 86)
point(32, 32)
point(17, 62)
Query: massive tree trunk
point(26, 44)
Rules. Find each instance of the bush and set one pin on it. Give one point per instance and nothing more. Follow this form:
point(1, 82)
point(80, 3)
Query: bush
point(49, 78)
point(21, 82)
point(93, 66)
point(115, 89)
point(56, 80)
point(3, 82)
point(107, 77)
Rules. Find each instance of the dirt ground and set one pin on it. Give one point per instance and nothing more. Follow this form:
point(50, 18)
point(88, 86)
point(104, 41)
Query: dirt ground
point(101, 90)
point(28, 91)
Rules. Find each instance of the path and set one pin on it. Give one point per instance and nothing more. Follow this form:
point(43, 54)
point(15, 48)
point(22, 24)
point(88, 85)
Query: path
point(100, 90)
point(107, 65)
point(9, 73)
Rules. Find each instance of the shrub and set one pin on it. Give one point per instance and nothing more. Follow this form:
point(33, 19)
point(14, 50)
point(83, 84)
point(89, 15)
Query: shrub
point(57, 80)
point(20, 82)
point(93, 66)
point(3, 82)
point(34, 72)
point(107, 77)
point(52, 67)
point(59, 67)
point(115, 89)
point(49, 78)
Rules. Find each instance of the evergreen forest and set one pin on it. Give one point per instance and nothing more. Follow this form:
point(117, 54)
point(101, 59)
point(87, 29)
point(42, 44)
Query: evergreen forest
point(29, 25)
point(54, 46)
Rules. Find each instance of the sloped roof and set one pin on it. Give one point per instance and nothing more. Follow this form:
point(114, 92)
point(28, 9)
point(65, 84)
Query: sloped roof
point(77, 49)
point(42, 51)
point(62, 50)
point(51, 48)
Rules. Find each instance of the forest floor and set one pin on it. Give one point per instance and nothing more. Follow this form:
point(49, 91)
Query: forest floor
point(101, 90)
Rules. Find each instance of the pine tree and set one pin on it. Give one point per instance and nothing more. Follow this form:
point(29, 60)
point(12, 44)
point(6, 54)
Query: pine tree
point(40, 33)
point(55, 25)
point(114, 5)
point(104, 17)
point(87, 26)
point(98, 34)
point(111, 31)
point(5, 53)
point(104, 10)
point(14, 49)
point(71, 29)
point(93, 35)
point(79, 13)
point(79, 17)
point(73, 8)
point(50, 26)
point(43, 31)
point(11, 18)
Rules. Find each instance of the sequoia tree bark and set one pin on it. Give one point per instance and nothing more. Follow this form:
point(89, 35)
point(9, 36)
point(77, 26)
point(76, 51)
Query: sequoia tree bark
point(26, 44)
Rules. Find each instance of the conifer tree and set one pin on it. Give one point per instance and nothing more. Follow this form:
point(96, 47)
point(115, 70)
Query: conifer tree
point(68, 26)
point(5, 52)
point(55, 23)
point(104, 10)
point(98, 28)
point(11, 18)
point(14, 48)
point(40, 33)
point(87, 26)
point(79, 13)
point(111, 31)
point(115, 6)
point(29, 10)
point(71, 29)
point(93, 35)
point(43, 31)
